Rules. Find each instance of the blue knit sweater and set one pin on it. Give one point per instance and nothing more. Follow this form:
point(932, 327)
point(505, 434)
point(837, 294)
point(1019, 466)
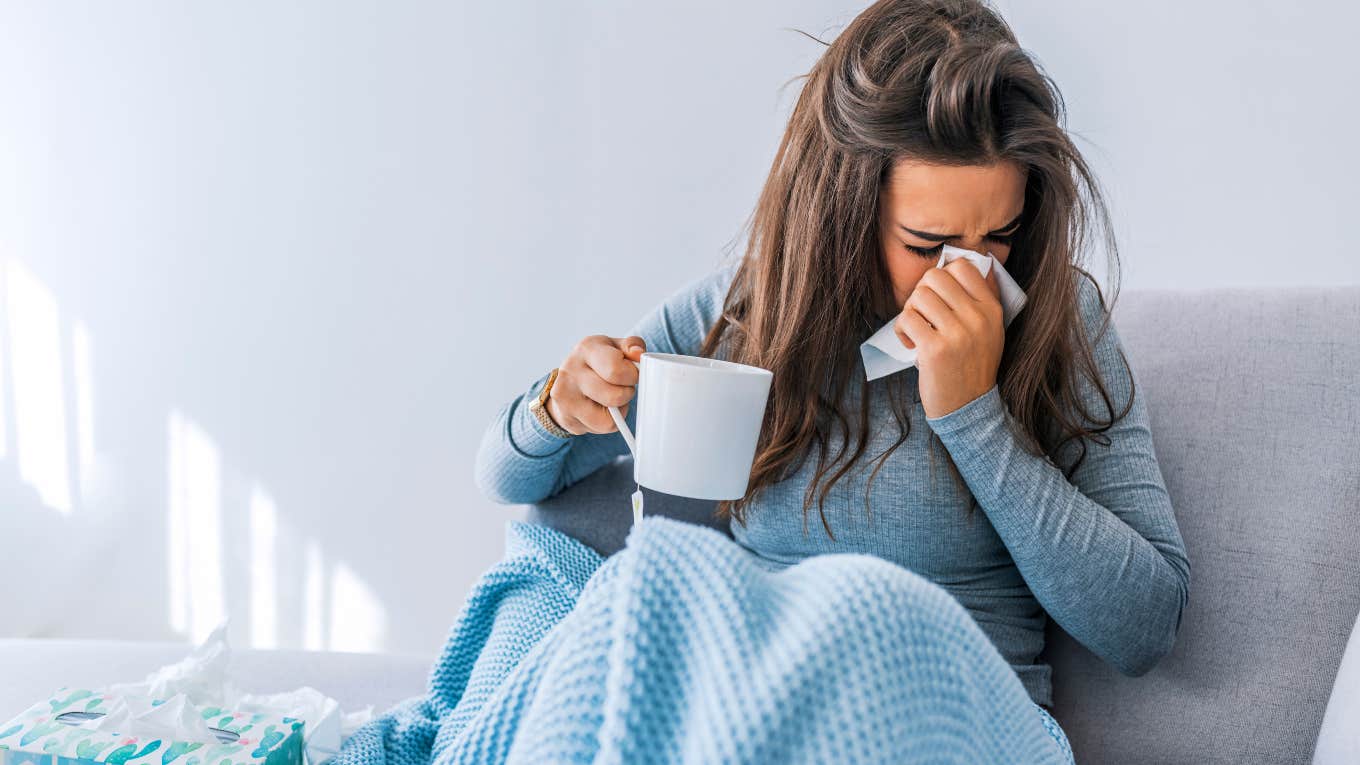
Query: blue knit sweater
point(1102, 554)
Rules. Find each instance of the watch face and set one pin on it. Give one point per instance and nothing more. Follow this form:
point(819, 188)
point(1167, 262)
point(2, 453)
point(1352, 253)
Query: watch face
point(547, 388)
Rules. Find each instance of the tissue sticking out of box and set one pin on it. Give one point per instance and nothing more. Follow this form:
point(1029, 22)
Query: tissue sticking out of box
point(54, 731)
point(175, 718)
point(202, 679)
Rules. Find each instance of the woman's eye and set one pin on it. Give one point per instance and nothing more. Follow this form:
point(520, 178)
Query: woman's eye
point(930, 252)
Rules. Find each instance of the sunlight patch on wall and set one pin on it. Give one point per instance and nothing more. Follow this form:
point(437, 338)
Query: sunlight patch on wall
point(194, 543)
point(314, 595)
point(82, 374)
point(264, 580)
point(358, 620)
point(4, 363)
point(35, 356)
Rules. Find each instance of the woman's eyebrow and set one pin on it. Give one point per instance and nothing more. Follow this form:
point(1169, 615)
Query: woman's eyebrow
point(944, 237)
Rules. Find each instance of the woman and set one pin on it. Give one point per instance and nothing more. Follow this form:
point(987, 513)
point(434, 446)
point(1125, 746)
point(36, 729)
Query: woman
point(923, 124)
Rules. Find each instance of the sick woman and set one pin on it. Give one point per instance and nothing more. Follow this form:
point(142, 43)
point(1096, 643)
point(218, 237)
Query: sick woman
point(1012, 465)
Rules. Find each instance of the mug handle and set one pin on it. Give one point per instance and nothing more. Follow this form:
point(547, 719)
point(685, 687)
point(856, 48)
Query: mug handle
point(622, 424)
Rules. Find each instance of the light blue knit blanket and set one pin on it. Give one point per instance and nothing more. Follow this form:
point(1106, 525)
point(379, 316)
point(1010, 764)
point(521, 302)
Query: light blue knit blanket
point(686, 647)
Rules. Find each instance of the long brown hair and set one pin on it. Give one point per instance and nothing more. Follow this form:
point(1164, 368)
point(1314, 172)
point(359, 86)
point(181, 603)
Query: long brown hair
point(941, 81)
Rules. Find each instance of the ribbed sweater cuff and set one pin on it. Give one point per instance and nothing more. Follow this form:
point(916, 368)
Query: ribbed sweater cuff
point(987, 408)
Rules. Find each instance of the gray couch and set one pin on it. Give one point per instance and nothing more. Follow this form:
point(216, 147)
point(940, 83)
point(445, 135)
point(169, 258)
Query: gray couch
point(1254, 397)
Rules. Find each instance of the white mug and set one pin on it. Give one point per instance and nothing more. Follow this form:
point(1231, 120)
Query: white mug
point(698, 421)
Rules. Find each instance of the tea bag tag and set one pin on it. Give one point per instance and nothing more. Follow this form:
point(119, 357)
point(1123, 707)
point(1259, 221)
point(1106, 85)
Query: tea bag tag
point(637, 505)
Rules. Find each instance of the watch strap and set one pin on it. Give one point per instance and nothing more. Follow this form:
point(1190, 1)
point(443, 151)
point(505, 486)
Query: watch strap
point(539, 407)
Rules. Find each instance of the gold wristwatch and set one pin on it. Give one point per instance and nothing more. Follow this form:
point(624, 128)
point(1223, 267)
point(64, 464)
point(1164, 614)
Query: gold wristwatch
point(539, 406)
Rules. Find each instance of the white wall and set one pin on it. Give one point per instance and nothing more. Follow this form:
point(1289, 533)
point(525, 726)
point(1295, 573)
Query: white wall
point(1225, 131)
point(269, 269)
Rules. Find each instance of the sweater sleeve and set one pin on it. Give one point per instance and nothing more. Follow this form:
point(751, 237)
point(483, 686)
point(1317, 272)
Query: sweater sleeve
point(520, 462)
point(1103, 553)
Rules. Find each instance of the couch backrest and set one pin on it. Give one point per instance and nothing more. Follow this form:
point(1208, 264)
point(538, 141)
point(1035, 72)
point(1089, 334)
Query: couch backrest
point(1254, 398)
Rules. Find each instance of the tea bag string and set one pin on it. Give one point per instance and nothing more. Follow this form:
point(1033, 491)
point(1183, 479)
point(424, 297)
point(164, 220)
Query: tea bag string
point(621, 423)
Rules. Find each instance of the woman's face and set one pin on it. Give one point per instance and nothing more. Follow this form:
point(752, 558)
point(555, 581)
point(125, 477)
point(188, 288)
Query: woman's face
point(973, 207)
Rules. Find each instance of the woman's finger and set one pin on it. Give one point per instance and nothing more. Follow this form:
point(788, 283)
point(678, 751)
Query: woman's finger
point(596, 419)
point(916, 330)
point(610, 363)
point(927, 302)
point(604, 392)
point(633, 347)
point(972, 281)
point(947, 286)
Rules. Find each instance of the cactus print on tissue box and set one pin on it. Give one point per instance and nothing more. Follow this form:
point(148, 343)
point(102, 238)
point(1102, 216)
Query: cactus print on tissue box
point(37, 737)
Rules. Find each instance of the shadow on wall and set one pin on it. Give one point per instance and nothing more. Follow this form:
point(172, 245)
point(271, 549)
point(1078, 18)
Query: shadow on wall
point(67, 526)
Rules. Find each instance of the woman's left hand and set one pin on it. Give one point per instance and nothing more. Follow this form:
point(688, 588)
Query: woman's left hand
point(958, 357)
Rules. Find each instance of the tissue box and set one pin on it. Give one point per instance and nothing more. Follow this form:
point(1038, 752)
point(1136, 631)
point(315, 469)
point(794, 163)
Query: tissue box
point(45, 734)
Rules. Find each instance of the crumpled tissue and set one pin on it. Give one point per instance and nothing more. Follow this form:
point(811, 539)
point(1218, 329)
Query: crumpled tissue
point(176, 719)
point(200, 680)
point(884, 353)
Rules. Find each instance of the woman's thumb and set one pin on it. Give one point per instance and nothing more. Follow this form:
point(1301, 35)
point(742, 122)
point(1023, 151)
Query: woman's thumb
point(634, 347)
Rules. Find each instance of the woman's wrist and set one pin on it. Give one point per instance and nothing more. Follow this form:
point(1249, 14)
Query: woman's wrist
point(985, 408)
point(528, 432)
point(551, 408)
point(541, 407)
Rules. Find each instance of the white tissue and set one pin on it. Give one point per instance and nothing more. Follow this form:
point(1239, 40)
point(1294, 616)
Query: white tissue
point(176, 719)
point(884, 353)
point(200, 680)
point(200, 676)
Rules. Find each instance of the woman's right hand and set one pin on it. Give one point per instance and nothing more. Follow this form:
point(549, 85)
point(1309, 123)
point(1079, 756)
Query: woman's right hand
point(596, 375)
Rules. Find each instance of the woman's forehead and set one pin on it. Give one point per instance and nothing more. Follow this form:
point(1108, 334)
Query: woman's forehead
point(953, 199)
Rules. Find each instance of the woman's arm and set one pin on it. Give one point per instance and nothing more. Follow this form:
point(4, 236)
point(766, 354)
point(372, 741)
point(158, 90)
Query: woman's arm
point(520, 462)
point(1104, 557)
